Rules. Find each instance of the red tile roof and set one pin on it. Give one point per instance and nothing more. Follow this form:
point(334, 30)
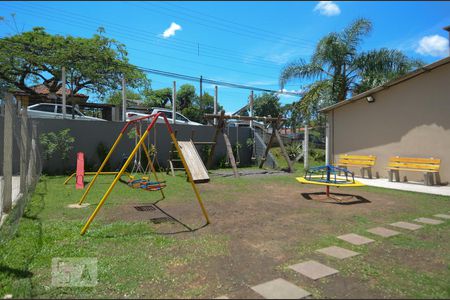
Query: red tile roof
point(43, 90)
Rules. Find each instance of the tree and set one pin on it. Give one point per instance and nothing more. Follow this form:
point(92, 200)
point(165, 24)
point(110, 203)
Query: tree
point(267, 104)
point(338, 69)
point(116, 97)
point(94, 64)
point(199, 107)
point(185, 96)
point(158, 98)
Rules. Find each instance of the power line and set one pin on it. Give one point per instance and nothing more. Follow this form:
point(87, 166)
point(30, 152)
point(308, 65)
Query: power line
point(188, 77)
point(193, 46)
point(169, 56)
point(241, 26)
point(210, 24)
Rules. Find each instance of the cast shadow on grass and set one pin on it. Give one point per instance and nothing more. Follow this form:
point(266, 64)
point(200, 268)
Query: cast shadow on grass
point(336, 198)
point(171, 218)
point(16, 273)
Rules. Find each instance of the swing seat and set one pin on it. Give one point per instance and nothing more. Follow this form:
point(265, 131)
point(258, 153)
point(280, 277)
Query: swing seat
point(147, 185)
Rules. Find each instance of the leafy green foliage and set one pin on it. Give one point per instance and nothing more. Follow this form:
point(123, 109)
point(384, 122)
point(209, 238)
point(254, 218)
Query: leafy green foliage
point(158, 98)
point(337, 68)
point(60, 142)
point(185, 96)
point(195, 112)
point(94, 64)
point(267, 104)
point(293, 150)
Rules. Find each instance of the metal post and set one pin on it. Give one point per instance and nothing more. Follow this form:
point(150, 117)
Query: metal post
point(216, 94)
point(251, 109)
point(124, 100)
point(174, 100)
point(328, 141)
point(306, 148)
point(7, 154)
point(24, 155)
point(201, 88)
point(63, 84)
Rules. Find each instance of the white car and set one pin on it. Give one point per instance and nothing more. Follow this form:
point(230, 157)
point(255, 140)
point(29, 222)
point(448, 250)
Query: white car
point(54, 111)
point(180, 119)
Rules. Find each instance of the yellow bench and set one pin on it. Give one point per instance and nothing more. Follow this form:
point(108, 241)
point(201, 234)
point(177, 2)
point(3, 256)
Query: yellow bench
point(365, 162)
point(429, 166)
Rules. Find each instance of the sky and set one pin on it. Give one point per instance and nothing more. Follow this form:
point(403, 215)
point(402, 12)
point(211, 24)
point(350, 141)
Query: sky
point(246, 43)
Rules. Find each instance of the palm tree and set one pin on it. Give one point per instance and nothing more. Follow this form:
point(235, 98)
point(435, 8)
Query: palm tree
point(339, 69)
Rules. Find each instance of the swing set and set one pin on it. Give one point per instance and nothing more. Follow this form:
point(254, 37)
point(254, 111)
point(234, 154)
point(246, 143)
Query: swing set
point(144, 182)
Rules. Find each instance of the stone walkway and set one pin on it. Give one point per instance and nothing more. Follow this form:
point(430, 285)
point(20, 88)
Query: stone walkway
point(282, 289)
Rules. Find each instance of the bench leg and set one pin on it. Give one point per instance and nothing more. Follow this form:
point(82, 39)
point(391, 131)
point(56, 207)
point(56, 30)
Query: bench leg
point(438, 178)
point(369, 173)
point(362, 172)
point(428, 178)
point(390, 175)
point(397, 175)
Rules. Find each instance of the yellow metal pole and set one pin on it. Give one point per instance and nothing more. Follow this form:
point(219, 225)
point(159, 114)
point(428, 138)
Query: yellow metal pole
point(102, 166)
point(194, 187)
point(93, 173)
point(122, 170)
point(70, 177)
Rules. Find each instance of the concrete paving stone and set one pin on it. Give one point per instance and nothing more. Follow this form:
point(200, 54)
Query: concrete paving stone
point(280, 289)
point(313, 269)
point(222, 297)
point(406, 225)
point(337, 252)
point(384, 232)
point(355, 239)
point(443, 216)
point(429, 221)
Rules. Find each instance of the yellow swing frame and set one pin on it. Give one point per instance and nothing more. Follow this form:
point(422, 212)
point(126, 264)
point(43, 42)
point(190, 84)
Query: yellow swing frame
point(141, 143)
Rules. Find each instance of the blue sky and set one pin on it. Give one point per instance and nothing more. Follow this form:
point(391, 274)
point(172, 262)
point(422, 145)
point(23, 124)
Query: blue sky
point(239, 42)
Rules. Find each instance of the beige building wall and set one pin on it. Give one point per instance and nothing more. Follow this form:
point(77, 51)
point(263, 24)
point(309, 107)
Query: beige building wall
point(410, 119)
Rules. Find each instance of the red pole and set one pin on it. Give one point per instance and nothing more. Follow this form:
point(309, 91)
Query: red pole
point(328, 191)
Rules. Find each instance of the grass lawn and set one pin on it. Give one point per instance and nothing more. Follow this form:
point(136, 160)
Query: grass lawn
point(260, 225)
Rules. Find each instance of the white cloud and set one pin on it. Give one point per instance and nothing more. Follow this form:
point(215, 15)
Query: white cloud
point(433, 45)
point(327, 8)
point(171, 30)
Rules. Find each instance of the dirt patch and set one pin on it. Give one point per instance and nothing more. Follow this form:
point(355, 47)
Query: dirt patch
point(265, 224)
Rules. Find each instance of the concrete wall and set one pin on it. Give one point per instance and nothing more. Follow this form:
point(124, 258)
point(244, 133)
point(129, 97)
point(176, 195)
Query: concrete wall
point(88, 135)
point(409, 119)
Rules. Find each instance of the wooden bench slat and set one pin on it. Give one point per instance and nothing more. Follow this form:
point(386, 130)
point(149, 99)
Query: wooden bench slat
point(358, 162)
point(417, 170)
point(415, 160)
point(363, 157)
point(413, 166)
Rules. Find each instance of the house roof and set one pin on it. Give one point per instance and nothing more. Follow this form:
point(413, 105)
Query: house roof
point(43, 90)
point(388, 84)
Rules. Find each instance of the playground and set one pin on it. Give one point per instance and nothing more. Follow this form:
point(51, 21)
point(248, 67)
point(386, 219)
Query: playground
point(259, 227)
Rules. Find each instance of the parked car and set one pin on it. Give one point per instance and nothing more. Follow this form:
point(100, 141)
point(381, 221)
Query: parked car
point(180, 119)
point(54, 111)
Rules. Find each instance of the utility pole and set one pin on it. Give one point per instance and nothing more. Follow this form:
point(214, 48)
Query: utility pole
point(216, 95)
point(251, 108)
point(306, 148)
point(201, 88)
point(174, 100)
point(124, 100)
point(64, 92)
